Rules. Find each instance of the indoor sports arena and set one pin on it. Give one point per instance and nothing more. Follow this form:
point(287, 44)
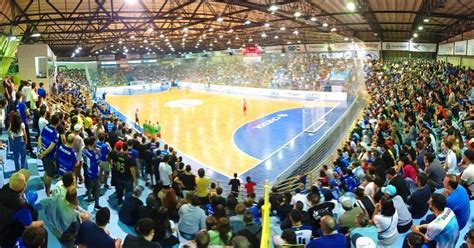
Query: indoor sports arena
point(247, 124)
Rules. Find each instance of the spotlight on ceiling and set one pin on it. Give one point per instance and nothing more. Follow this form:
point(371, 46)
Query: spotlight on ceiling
point(313, 19)
point(420, 28)
point(282, 28)
point(247, 22)
point(264, 35)
point(325, 24)
point(426, 20)
point(220, 19)
point(12, 37)
point(185, 29)
point(376, 34)
point(350, 5)
point(149, 30)
point(297, 14)
point(346, 39)
point(211, 30)
point(333, 29)
point(415, 35)
point(276, 37)
point(267, 24)
point(273, 8)
point(132, 37)
point(36, 34)
point(296, 32)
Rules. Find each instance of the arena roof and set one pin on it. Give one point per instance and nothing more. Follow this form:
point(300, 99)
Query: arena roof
point(183, 26)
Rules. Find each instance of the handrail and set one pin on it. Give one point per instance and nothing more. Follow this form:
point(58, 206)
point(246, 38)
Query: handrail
point(265, 238)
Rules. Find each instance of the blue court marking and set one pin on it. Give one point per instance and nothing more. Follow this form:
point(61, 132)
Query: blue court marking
point(278, 162)
point(262, 137)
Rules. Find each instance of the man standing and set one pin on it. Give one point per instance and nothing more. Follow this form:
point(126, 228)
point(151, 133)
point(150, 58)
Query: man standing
point(47, 142)
point(166, 173)
point(78, 146)
point(41, 91)
point(22, 108)
point(65, 156)
point(91, 171)
point(124, 170)
point(104, 148)
point(444, 229)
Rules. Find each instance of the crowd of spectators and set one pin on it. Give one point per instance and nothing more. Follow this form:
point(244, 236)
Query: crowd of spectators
point(410, 157)
point(292, 71)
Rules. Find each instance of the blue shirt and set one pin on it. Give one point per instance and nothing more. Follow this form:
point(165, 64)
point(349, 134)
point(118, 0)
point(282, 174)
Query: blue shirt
point(134, 155)
point(333, 240)
point(66, 159)
point(92, 160)
point(104, 150)
point(458, 201)
point(49, 135)
point(91, 235)
point(21, 107)
point(42, 92)
point(109, 127)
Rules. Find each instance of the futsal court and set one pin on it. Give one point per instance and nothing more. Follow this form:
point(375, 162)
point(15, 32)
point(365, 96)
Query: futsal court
point(210, 129)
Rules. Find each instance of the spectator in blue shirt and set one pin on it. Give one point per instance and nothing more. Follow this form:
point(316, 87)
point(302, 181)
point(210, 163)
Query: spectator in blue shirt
point(96, 234)
point(66, 159)
point(457, 200)
point(91, 163)
point(41, 91)
point(418, 201)
point(24, 113)
point(48, 142)
point(330, 236)
point(15, 213)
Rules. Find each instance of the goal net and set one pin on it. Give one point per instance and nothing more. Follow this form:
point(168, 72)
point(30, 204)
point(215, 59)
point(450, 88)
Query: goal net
point(313, 116)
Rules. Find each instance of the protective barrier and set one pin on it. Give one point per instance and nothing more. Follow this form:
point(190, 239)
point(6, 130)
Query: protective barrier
point(265, 240)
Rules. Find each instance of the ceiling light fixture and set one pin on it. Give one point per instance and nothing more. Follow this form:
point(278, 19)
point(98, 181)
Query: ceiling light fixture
point(415, 35)
point(376, 34)
point(211, 30)
point(132, 37)
point(273, 8)
point(149, 30)
point(420, 28)
point(250, 40)
point(346, 39)
point(267, 24)
point(313, 19)
point(35, 34)
point(220, 19)
point(231, 30)
point(297, 14)
point(296, 32)
point(247, 22)
point(12, 38)
point(185, 29)
point(333, 29)
point(426, 20)
point(264, 35)
point(221, 36)
point(350, 5)
point(282, 28)
point(325, 24)
point(162, 36)
point(276, 37)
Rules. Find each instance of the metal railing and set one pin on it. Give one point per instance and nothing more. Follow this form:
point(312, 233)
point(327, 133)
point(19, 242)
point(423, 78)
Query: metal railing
point(324, 151)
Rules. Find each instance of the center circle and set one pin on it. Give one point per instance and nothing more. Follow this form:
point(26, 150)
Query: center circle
point(185, 103)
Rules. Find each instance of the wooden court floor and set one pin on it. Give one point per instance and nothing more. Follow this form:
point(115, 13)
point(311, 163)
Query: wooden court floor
point(203, 132)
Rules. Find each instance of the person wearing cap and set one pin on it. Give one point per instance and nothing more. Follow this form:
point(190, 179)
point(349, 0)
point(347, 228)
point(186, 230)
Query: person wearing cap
point(457, 200)
point(77, 146)
point(123, 170)
point(348, 219)
point(330, 236)
point(15, 213)
point(467, 176)
point(404, 217)
point(128, 212)
point(48, 142)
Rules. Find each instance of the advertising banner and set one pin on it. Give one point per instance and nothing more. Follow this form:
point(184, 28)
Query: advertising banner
point(311, 48)
point(449, 49)
point(273, 49)
point(295, 49)
point(368, 55)
point(342, 46)
point(396, 46)
point(373, 46)
point(460, 47)
point(106, 57)
point(441, 49)
point(133, 56)
point(422, 47)
point(470, 47)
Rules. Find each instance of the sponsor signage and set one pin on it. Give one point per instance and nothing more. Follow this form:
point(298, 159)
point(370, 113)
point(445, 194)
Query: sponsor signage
point(396, 46)
point(295, 49)
point(422, 47)
point(133, 56)
point(372, 46)
point(441, 49)
point(317, 47)
point(449, 49)
point(342, 46)
point(106, 57)
point(273, 49)
point(460, 47)
point(470, 47)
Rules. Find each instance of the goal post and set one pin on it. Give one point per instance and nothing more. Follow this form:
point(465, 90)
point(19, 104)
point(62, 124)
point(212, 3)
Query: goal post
point(313, 116)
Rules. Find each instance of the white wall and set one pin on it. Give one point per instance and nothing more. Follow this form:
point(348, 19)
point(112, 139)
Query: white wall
point(26, 61)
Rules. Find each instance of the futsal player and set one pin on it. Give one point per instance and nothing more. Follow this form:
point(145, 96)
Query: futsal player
point(244, 106)
point(137, 121)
